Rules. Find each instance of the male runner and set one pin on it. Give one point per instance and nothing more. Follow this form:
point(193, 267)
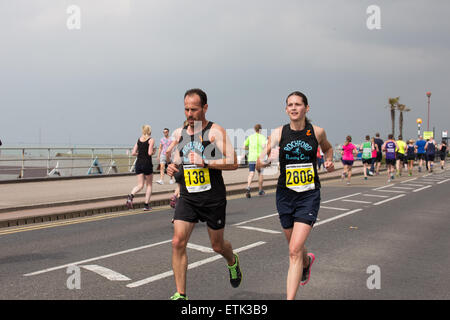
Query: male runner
point(163, 145)
point(366, 148)
point(204, 150)
point(254, 144)
point(430, 149)
point(401, 160)
point(389, 147)
point(379, 143)
point(298, 189)
point(420, 143)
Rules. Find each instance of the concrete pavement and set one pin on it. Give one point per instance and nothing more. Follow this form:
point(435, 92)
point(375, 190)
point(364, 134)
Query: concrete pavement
point(49, 200)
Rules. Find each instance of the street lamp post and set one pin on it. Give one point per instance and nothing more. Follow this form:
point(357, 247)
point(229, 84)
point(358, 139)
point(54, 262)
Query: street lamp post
point(428, 120)
point(419, 122)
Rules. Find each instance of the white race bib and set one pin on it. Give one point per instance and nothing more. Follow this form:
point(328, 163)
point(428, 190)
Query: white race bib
point(196, 178)
point(300, 177)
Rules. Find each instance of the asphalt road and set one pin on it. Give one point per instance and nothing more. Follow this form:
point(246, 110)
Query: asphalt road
point(393, 238)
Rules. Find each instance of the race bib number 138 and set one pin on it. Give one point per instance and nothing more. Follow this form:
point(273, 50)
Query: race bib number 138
point(300, 177)
point(196, 178)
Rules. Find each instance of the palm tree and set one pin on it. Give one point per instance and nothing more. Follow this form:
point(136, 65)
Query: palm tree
point(393, 104)
point(402, 108)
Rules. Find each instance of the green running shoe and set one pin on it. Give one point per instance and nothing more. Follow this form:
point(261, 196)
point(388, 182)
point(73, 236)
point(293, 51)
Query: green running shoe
point(178, 296)
point(235, 273)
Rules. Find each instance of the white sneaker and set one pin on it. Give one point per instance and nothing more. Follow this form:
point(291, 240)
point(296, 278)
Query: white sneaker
point(160, 182)
point(171, 181)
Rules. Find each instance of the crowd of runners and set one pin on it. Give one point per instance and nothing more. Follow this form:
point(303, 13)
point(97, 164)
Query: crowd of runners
point(399, 155)
point(195, 155)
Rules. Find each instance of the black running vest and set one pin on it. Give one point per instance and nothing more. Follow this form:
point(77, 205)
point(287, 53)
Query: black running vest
point(298, 147)
point(200, 144)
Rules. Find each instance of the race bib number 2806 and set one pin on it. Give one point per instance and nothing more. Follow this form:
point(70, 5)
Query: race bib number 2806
point(196, 178)
point(300, 177)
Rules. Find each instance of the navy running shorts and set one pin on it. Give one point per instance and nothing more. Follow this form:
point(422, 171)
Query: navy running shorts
point(252, 167)
point(347, 162)
point(295, 206)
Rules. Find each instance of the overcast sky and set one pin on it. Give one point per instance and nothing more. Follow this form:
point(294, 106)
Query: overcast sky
point(132, 60)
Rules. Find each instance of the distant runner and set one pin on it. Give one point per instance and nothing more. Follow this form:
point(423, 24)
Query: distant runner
point(389, 148)
point(410, 156)
point(254, 144)
point(401, 149)
point(367, 148)
point(348, 153)
point(420, 151)
point(430, 149)
point(143, 149)
point(443, 153)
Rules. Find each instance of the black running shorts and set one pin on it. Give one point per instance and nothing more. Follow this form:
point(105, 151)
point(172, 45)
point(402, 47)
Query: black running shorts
point(214, 216)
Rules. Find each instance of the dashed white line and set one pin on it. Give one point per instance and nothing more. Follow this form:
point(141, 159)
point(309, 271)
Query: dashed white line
point(105, 272)
point(255, 219)
point(420, 189)
point(259, 229)
point(351, 195)
point(357, 201)
point(408, 180)
point(333, 208)
point(337, 217)
point(190, 266)
point(97, 258)
point(402, 188)
point(395, 191)
point(199, 248)
point(390, 199)
point(414, 185)
point(375, 195)
point(443, 181)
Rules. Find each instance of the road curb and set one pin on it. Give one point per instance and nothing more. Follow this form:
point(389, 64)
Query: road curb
point(236, 188)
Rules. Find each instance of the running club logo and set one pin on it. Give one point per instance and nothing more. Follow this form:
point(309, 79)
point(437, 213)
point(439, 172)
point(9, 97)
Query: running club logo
point(294, 150)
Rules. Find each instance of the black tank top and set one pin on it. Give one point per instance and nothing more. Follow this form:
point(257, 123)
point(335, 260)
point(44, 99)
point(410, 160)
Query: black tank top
point(201, 145)
point(298, 147)
point(143, 155)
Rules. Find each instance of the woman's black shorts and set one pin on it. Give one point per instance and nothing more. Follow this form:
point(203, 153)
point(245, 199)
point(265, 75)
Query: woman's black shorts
point(295, 206)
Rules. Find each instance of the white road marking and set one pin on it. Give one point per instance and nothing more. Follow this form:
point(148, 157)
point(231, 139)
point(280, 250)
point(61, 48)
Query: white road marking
point(375, 195)
point(390, 199)
point(443, 181)
point(414, 185)
point(97, 258)
point(408, 180)
point(357, 201)
point(395, 191)
point(255, 219)
point(336, 217)
point(420, 189)
point(386, 186)
point(402, 188)
point(260, 229)
point(333, 208)
point(199, 248)
point(105, 272)
point(351, 195)
point(190, 266)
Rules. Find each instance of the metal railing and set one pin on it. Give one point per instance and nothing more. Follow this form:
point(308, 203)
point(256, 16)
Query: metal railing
point(32, 162)
point(18, 163)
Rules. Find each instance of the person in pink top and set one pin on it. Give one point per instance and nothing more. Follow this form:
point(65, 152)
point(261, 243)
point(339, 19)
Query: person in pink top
point(348, 157)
